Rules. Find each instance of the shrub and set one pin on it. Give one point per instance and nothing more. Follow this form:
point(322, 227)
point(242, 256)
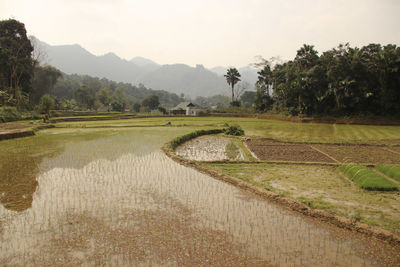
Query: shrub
point(204, 113)
point(367, 179)
point(392, 171)
point(234, 130)
point(46, 103)
point(182, 139)
point(9, 114)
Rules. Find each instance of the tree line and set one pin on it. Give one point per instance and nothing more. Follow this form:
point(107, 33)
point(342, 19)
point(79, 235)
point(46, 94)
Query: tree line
point(342, 81)
point(82, 91)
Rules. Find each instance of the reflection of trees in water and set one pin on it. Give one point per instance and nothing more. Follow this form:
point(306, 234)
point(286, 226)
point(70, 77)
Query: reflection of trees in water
point(18, 182)
point(19, 162)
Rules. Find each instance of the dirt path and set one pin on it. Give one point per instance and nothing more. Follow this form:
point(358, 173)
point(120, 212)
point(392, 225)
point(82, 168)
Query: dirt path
point(11, 130)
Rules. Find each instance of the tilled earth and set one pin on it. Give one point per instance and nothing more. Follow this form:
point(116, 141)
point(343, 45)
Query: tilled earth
point(271, 150)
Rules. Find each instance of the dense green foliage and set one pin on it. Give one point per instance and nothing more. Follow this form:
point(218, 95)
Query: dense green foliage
point(16, 63)
point(182, 139)
point(151, 102)
point(46, 103)
point(105, 92)
point(248, 98)
point(235, 130)
point(392, 171)
point(9, 114)
point(341, 81)
point(45, 77)
point(367, 179)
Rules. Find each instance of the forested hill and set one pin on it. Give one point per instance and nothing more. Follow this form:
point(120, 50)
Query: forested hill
point(175, 78)
point(66, 88)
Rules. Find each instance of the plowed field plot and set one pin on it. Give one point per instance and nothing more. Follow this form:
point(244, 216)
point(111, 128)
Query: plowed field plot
point(267, 149)
point(394, 149)
point(361, 154)
point(272, 150)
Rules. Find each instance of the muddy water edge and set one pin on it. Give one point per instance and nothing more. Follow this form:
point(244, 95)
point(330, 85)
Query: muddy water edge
point(110, 197)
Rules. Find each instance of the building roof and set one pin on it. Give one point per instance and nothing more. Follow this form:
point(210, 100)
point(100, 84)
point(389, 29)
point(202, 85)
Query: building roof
point(183, 106)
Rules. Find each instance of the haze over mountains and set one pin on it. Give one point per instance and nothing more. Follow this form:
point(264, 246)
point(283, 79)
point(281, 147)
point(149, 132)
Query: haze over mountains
point(175, 78)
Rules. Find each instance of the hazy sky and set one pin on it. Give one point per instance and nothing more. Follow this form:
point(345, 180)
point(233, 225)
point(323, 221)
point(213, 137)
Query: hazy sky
point(209, 32)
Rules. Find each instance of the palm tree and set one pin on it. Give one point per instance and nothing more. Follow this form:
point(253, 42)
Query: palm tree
point(232, 77)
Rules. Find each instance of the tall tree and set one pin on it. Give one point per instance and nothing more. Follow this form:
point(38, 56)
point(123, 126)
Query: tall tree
point(85, 96)
point(104, 96)
point(43, 81)
point(232, 77)
point(151, 102)
point(16, 63)
point(264, 84)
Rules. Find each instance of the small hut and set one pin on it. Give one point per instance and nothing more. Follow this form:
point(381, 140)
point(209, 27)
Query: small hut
point(186, 108)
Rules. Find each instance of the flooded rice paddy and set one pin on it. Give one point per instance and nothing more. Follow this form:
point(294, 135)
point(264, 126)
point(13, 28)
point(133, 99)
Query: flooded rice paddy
point(112, 198)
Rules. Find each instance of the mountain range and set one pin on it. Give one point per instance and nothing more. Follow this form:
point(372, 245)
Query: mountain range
point(175, 78)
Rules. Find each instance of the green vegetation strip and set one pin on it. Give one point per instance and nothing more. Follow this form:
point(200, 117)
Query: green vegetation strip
point(367, 179)
point(392, 171)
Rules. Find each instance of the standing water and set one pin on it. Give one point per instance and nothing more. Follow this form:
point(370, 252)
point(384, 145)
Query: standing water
point(118, 200)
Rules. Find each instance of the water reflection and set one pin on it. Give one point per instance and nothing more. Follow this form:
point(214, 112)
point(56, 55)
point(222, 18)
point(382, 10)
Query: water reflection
point(18, 182)
point(21, 160)
point(141, 208)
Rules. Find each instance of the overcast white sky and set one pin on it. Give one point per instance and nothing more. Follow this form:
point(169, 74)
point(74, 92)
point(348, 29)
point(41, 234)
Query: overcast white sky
point(209, 32)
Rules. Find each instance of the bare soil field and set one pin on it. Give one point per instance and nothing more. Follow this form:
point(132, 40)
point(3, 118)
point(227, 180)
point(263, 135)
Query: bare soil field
point(361, 153)
point(267, 149)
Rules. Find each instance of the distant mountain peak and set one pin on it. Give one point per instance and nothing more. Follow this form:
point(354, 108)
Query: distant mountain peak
point(141, 61)
point(111, 55)
point(177, 78)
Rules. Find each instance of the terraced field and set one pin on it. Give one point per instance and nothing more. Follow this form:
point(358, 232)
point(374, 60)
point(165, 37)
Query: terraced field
point(103, 194)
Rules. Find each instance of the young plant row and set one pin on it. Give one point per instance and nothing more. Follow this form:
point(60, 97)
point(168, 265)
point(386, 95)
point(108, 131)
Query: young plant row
point(393, 171)
point(367, 179)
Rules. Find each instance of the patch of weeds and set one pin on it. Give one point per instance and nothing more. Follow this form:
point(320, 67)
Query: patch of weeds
point(315, 203)
point(357, 216)
point(232, 151)
point(235, 130)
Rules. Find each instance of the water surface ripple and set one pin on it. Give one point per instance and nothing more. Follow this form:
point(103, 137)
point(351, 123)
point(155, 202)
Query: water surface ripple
point(141, 208)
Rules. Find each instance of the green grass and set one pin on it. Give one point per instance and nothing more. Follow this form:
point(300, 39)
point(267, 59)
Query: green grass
point(281, 130)
point(392, 171)
point(367, 179)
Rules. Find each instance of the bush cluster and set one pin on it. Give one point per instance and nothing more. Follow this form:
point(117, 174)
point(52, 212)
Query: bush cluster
point(9, 114)
point(235, 130)
point(367, 179)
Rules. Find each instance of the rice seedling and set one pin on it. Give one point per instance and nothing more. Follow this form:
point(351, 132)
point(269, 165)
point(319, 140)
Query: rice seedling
point(367, 179)
point(392, 171)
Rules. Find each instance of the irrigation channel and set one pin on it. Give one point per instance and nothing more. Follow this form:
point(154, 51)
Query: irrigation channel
point(113, 198)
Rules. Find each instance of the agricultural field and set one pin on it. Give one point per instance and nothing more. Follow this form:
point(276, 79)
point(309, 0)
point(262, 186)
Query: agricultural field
point(279, 130)
point(102, 193)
